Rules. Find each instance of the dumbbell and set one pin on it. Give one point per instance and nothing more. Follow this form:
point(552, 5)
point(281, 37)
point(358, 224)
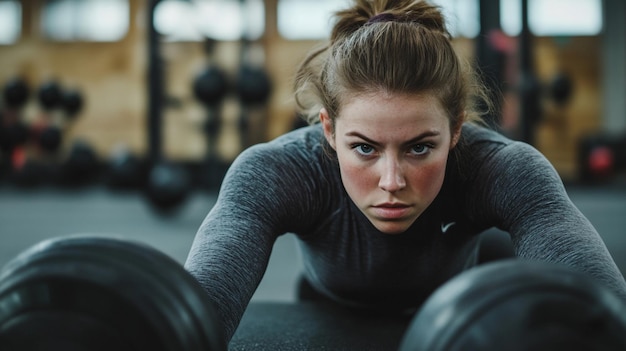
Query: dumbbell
point(16, 93)
point(12, 135)
point(81, 164)
point(168, 186)
point(560, 88)
point(13, 131)
point(103, 293)
point(253, 85)
point(210, 86)
point(50, 95)
point(49, 138)
point(72, 102)
point(253, 88)
point(519, 305)
point(126, 170)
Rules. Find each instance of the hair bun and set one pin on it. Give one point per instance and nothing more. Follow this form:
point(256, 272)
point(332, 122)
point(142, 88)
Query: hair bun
point(382, 17)
point(367, 12)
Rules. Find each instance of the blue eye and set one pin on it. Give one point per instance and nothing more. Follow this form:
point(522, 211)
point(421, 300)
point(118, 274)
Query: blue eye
point(364, 149)
point(420, 149)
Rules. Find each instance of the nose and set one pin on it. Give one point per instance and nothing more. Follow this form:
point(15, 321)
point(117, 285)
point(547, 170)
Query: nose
point(392, 178)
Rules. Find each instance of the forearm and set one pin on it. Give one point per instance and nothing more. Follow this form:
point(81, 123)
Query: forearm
point(526, 197)
point(570, 239)
point(229, 261)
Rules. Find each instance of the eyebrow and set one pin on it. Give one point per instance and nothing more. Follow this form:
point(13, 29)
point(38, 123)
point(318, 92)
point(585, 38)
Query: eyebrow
point(424, 135)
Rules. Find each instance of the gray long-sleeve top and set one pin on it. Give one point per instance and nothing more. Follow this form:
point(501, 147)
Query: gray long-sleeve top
point(292, 185)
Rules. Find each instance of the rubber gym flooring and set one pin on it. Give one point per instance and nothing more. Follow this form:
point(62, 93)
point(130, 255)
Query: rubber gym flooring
point(32, 215)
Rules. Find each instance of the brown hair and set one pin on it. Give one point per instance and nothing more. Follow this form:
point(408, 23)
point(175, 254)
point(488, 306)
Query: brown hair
point(396, 46)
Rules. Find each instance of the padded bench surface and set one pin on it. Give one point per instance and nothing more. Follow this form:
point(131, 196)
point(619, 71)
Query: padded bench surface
point(315, 326)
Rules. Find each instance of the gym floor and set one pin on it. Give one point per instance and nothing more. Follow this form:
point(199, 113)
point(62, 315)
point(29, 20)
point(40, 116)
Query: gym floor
point(30, 216)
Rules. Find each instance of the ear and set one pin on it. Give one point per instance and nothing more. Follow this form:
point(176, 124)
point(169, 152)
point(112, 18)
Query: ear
point(456, 132)
point(327, 125)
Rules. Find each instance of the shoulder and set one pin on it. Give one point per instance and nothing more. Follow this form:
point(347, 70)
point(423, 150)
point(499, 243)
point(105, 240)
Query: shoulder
point(484, 147)
point(284, 182)
point(490, 163)
point(305, 143)
point(474, 135)
point(504, 179)
point(292, 159)
point(500, 166)
point(299, 149)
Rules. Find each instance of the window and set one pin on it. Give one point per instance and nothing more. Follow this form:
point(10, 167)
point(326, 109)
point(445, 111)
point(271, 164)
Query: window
point(312, 19)
point(462, 16)
point(553, 17)
point(307, 19)
point(180, 20)
point(10, 21)
point(85, 20)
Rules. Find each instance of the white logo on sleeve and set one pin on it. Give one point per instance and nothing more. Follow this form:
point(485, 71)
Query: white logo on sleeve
point(445, 227)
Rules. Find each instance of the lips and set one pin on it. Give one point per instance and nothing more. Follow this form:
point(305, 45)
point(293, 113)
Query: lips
point(391, 210)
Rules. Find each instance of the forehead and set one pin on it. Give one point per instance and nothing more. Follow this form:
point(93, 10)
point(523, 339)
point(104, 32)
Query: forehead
point(388, 117)
point(389, 105)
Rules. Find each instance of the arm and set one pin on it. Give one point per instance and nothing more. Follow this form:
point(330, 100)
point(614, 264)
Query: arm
point(526, 197)
point(260, 198)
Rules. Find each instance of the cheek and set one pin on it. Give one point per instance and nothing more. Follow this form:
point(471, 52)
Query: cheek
point(427, 178)
point(357, 179)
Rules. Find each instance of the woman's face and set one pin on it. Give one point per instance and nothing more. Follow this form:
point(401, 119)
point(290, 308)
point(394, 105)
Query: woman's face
point(392, 151)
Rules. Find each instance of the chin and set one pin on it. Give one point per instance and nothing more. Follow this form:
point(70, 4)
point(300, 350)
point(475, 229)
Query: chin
point(392, 228)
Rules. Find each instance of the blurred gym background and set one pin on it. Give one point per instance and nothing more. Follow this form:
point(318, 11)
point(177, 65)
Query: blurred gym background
point(120, 117)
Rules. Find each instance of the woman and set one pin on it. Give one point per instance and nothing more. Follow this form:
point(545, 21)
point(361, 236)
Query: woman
point(390, 191)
